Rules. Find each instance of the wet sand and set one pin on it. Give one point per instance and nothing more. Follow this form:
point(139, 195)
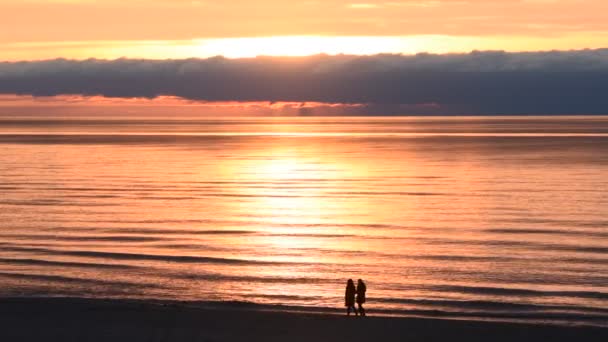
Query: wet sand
point(67, 319)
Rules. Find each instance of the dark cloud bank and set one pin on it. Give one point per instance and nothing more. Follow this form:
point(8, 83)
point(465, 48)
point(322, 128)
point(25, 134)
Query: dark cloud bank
point(570, 82)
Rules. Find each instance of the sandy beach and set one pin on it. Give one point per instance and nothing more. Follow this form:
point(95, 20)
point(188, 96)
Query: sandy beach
point(72, 319)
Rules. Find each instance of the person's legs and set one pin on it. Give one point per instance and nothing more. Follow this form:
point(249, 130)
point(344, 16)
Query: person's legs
point(361, 309)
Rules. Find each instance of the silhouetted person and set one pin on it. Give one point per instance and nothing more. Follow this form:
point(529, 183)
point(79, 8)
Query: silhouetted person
point(349, 297)
point(361, 288)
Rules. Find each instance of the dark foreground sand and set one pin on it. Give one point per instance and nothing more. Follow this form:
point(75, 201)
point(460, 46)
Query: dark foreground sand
point(64, 319)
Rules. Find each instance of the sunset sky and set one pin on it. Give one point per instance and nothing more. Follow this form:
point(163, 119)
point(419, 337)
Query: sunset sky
point(387, 57)
point(41, 29)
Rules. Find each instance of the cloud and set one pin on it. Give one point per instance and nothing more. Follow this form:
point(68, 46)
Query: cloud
point(568, 82)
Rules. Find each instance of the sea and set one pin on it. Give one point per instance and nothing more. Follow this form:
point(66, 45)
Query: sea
point(485, 218)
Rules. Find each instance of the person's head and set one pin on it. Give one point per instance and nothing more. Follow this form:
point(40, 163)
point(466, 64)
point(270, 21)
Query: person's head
point(359, 282)
point(350, 283)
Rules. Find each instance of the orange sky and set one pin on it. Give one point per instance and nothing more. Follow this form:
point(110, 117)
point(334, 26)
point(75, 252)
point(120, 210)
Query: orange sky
point(38, 29)
point(76, 105)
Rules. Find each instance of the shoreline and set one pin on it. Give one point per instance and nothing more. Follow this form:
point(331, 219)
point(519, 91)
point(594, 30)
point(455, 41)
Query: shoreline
point(83, 319)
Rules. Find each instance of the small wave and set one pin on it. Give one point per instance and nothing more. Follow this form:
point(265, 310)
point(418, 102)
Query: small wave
point(311, 235)
point(253, 279)
point(474, 258)
point(119, 139)
point(259, 195)
point(125, 238)
point(64, 264)
point(98, 196)
point(284, 297)
point(518, 244)
point(384, 193)
point(73, 280)
point(595, 261)
point(561, 222)
point(525, 231)
point(53, 203)
point(247, 223)
point(519, 292)
point(334, 194)
point(509, 316)
point(193, 246)
point(503, 258)
point(464, 305)
point(182, 231)
point(169, 198)
point(156, 257)
point(150, 231)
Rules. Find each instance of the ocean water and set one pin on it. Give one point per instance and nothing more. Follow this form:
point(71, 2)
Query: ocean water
point(477, 217)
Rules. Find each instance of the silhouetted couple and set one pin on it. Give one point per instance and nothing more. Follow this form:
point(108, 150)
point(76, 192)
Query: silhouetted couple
point(349, 297)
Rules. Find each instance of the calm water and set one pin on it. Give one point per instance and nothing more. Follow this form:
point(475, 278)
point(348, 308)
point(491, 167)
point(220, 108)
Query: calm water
point(500, 218)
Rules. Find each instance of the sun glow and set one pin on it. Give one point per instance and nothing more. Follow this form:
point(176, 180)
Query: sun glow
point(298, 46)
point(304, 45)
